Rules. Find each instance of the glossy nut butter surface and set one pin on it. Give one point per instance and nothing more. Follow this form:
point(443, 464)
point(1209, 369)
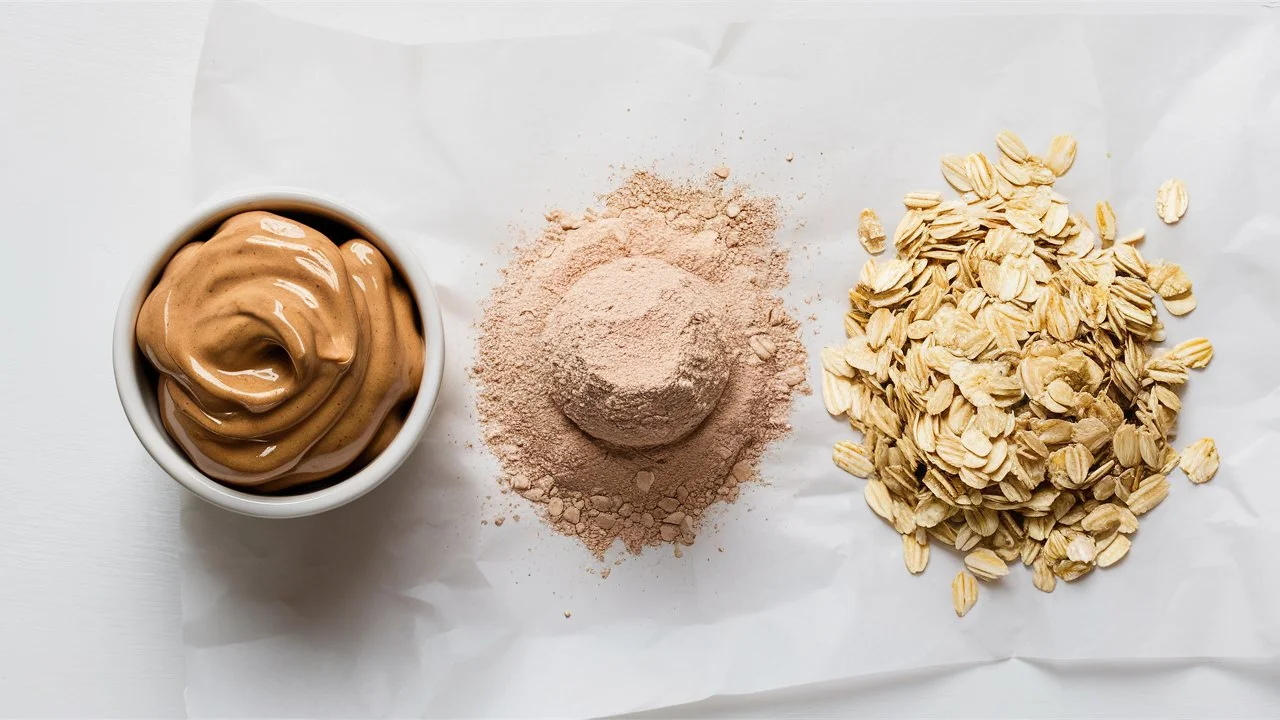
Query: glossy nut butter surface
point(283, 357)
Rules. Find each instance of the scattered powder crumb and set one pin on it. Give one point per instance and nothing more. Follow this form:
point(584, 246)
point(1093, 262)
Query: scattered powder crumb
point(499, 520)
point(567, 614)
point(790, 157)
point(722, 172)
point(604, 574)
point(598, 491)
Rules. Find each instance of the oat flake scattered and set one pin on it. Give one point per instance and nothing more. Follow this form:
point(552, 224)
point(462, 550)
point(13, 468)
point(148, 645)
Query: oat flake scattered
point(1171, 201)
point(870, 232)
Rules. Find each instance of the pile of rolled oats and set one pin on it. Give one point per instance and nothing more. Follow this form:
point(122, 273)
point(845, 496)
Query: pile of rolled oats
point(999, 370)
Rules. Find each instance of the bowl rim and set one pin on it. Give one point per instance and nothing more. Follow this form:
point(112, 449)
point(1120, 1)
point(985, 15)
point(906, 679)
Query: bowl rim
point(127, 360)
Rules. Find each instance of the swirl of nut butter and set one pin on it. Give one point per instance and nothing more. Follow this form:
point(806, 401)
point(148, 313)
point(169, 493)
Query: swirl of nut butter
point(283, 358)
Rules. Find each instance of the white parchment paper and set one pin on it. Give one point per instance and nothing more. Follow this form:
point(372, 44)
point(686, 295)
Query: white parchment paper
point(404, 603)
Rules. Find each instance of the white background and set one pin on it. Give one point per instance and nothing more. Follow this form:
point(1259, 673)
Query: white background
point(94, 114)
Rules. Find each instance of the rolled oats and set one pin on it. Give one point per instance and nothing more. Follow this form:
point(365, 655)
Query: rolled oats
point(870, 232)
point(1180, 305)
point(1132, 238)
point(1194, 353)
point(837, 393)
point(1171, 201)
point(1106, 221)
point(922, 200)
point(954, 171)
point(1151, 493)
point(1012, 146)
point(1042, 575)
point(1200, 460)
point(1118, 548)
point(915, 553)
point(855, 460)
point(1000, 370)
point(964, 593)
point(1061, 155)
point(878, 499)
point(985, 564)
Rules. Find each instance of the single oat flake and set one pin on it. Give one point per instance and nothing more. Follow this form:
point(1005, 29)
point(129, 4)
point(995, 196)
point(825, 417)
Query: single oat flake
point(1012, 146)
point(1000, 367)
point(1062, 154)
point(871, 232)
point(915, 552)
point(1106, 221)
point(1200, 460)
point(964, 593)
point(1171, 201)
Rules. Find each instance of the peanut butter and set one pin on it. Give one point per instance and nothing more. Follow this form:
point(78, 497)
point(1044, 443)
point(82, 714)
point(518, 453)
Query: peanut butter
point(283, 358)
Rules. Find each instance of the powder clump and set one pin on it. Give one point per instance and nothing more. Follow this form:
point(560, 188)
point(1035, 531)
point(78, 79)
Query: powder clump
point(637, 355)
point(622, 382)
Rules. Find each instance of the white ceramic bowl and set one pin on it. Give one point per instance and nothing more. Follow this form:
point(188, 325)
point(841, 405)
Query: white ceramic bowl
point(136, 385)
